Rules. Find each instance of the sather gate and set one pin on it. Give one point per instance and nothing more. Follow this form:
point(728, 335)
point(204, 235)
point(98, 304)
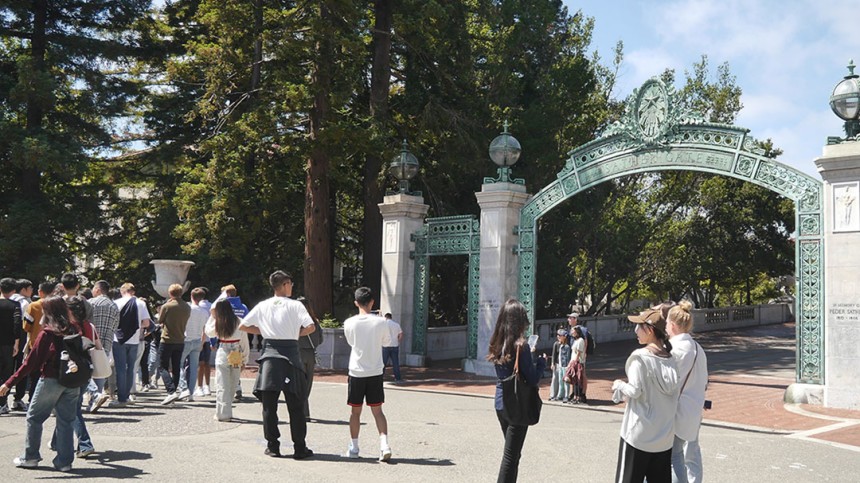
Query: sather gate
point(655, 134)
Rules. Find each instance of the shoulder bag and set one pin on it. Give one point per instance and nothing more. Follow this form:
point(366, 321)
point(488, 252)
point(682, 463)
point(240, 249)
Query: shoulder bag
point(521, 402)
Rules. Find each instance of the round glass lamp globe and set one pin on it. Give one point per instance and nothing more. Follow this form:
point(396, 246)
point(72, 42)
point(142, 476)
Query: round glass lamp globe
point(404, 166)
point(505, 150)
point(845, 100)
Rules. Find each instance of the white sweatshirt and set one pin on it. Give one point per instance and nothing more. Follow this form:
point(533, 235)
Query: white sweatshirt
point(689, 416)
point(652, 396)
point(367, 334)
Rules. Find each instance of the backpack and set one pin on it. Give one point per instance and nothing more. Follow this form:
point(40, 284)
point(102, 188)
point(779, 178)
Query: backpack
point(589, 346)
point(128, 321)
point(77, 347)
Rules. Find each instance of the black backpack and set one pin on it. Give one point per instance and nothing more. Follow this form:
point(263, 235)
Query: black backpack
point(77, 347)
point(128, 321)
point(589, 346)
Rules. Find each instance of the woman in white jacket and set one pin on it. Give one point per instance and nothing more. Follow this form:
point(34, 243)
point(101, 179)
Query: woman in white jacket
point(651, 392)
point(693, 376)
point(233, 351)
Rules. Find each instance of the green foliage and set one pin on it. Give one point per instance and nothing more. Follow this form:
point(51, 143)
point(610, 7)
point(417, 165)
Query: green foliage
point(330, 322)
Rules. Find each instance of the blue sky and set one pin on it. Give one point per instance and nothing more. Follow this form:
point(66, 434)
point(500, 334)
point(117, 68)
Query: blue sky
point(786, 55)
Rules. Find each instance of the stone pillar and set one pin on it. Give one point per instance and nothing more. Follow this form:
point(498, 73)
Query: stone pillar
point(402, 215)
point(500, 213)
point(840, 168)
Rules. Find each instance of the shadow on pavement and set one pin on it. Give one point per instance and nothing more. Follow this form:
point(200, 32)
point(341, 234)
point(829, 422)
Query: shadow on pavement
point(394, 461)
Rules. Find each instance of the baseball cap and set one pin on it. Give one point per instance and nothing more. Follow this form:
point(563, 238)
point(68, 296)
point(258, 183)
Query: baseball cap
point(652, 317)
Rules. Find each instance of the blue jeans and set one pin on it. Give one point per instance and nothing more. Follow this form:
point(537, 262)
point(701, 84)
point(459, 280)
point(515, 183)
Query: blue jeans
point(686, 461)
point(189, 371)
point(49, 396)
point(80, 427)
point(563, 388)
point(392, 354)
point(124, 357)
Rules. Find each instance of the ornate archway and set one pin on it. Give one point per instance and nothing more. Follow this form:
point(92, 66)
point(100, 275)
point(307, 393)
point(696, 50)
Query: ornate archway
point(655, 134)
point(450, 235)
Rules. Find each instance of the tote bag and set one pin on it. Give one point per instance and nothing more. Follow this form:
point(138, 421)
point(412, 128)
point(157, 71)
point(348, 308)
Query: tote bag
point(101, 364)
point(521, 402)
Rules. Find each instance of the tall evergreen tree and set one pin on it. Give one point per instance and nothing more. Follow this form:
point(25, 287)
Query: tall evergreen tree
point(67, 85)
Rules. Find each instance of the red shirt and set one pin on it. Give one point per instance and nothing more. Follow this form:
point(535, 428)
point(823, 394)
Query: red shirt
point(43, 356)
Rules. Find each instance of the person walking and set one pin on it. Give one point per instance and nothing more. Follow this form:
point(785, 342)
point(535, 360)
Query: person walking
point(106, 321)
point(233, 352)
point(133, 319)
point(173, 318)
point(506, 345)
point(78, 311)
point(49, 396)
point(577, 360)
point(22, 296)
point(651, 391)
point(281, 321)
point(391, 353)
point(193, 344)
point(366, 333)
point(10, 334)
point(693, 371)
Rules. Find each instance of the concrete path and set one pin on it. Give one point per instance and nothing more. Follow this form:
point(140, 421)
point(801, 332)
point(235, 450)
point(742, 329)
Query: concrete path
point(443, 428)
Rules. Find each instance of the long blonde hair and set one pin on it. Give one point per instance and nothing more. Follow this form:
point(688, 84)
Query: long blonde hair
point(681, 317)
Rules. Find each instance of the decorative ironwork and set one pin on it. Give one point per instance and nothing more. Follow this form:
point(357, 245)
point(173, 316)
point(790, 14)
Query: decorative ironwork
point(449, 235)
point(657, 134)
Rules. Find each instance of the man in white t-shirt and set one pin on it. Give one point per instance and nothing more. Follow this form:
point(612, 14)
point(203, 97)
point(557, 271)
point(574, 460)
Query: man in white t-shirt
point(133, 319)
point(281, 321)
point(391, 352)
point(367, 334)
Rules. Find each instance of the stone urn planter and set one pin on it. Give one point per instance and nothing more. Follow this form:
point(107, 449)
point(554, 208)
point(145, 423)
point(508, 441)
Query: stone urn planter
point(168, 272)
point(333, 353)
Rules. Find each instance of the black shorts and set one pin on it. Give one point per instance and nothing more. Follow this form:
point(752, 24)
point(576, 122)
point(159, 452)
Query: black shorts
point(365, 389)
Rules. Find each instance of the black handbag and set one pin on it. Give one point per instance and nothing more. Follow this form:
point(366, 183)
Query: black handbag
point(521, 402)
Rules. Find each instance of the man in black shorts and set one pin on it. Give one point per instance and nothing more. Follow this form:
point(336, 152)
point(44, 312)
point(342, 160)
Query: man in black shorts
point(366, 333)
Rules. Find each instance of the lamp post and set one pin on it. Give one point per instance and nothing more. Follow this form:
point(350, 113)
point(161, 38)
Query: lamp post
point(404, 167)
point(505, 151)
point(845, 103)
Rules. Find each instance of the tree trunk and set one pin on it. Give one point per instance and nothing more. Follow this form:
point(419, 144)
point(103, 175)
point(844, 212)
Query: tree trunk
point(29, 181)
point(380, 81)
point(318, 261)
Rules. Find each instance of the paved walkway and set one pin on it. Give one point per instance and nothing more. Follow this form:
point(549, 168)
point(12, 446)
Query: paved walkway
point(443, 428)
point(749, 372)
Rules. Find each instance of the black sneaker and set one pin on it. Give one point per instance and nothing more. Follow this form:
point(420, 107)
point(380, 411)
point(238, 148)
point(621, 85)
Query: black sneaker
point(300, 455)
point(272, 453)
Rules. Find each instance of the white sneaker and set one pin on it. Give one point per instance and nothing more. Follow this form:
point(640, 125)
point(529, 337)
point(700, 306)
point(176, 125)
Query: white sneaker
point(22, 463)
point(198, 391)
point(351, 453)
point(101, 400)
point(206, 391)
point(385, 454)
point(172, 397)
point(186, 394)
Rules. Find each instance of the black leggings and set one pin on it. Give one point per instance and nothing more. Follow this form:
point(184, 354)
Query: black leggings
point(634, 465)
point(515, 436)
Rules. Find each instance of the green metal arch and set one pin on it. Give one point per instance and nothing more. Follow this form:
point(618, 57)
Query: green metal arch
point(449, 235)
point(655, 135)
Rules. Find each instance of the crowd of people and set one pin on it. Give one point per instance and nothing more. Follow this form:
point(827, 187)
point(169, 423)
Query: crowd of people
point(178, 347)
point(664, 390)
